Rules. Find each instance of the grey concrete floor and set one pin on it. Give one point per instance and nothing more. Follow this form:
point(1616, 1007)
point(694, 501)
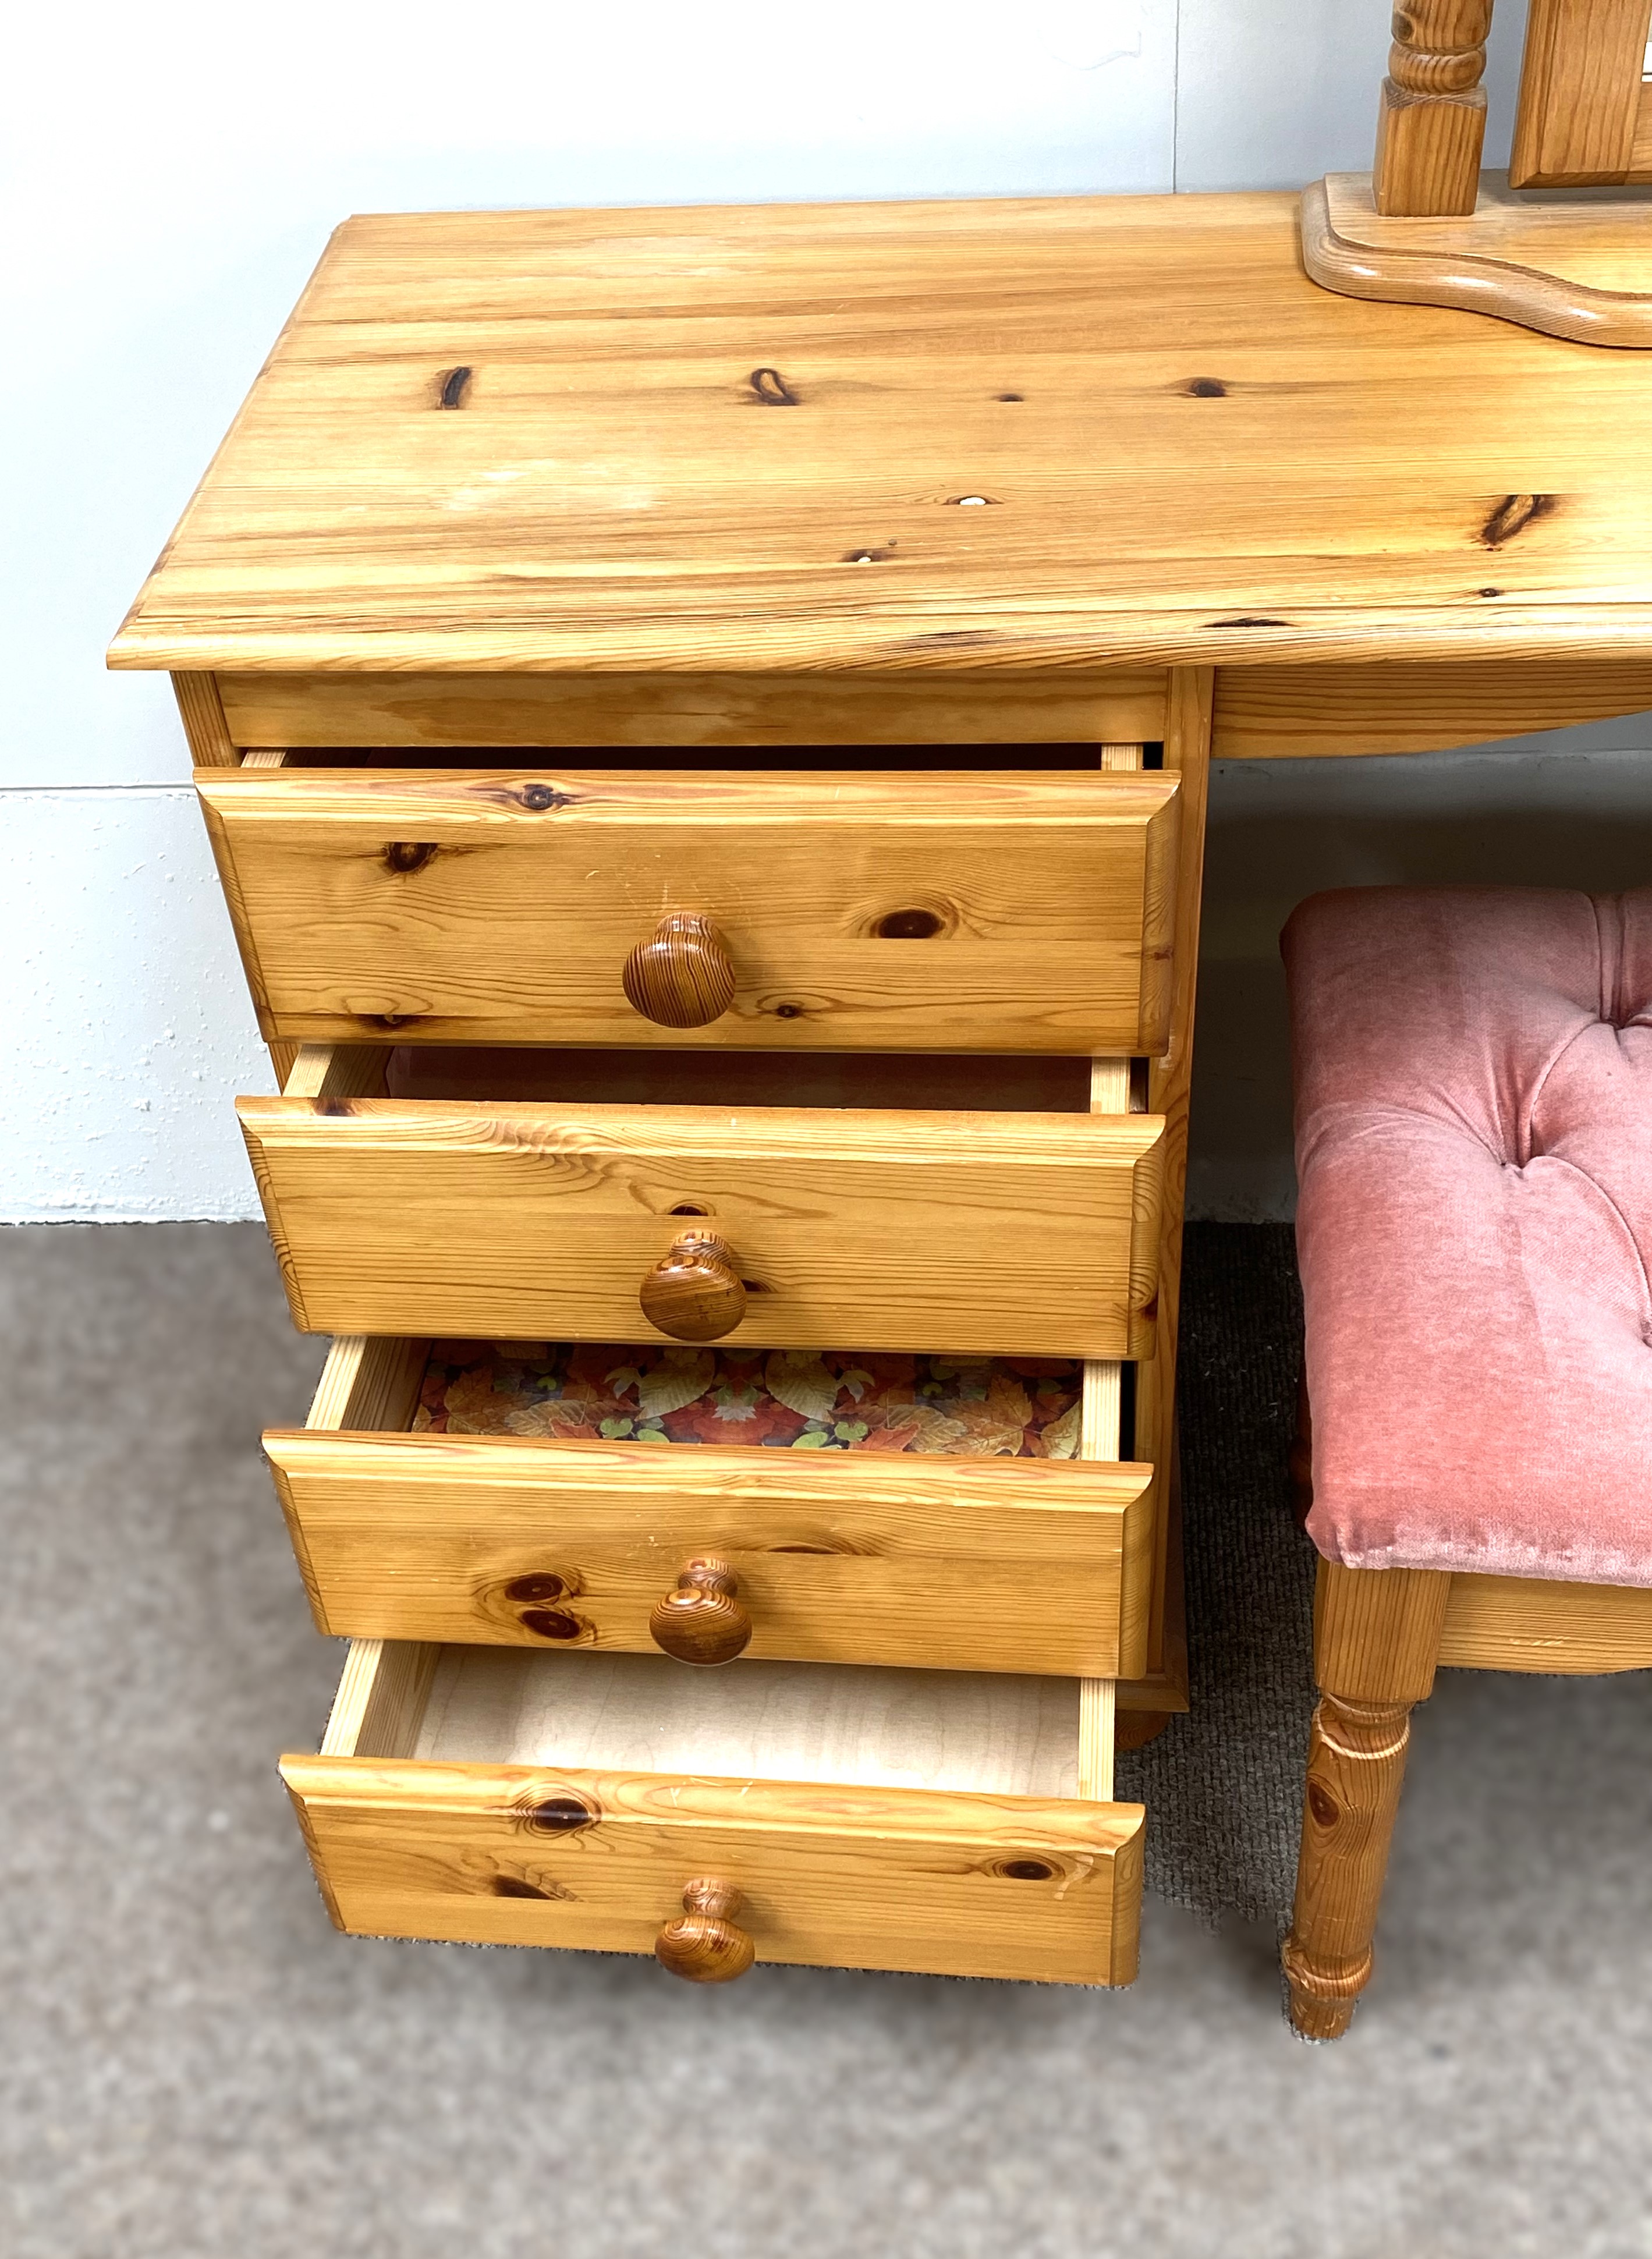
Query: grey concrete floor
point(193, 2064)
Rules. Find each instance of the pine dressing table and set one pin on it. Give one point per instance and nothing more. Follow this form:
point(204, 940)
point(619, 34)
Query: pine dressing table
point(704, 719)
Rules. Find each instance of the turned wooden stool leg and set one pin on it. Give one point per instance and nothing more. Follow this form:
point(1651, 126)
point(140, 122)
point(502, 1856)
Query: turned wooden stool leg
point(1377, 1638)
point(1356, 1763)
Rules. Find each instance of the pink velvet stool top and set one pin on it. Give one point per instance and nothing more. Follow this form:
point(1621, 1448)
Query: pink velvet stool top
point(1473, 1073)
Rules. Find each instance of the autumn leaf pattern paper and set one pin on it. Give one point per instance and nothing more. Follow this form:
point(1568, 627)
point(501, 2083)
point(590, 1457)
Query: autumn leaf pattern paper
point(789, 1399)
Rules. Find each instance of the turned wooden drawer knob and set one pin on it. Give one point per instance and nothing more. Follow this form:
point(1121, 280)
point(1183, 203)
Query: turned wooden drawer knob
point(703, 1944)
point(701, 1621)
point(693, 1293)
point(681, 976)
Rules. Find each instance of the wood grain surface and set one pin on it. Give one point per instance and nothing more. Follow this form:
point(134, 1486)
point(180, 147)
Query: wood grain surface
point(1580, 270)
point(1271, 713)
point(201, 710)
point(1032, 1233)
point(368, 1384)
point(379, 1708)
point(1010, 435)
point(1377, 1631)
point(1529, 1623)
point(328, 1074)
point(1169, 1079)
point(1431, 120)
point(1376, 1645)
point(703, 1944)
point(969, 912)
point(841, 1822)
point(365, 1385)
point(1356, 1769)
point(1580, 92)
point(1041, 1565)
point(958, 1733)
point(695, 1293)
point(1102, 1436)
point(682, 975)
point(703, 1620)
point(661, 713)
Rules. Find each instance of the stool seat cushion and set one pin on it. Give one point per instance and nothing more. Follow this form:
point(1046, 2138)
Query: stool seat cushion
point(1473, 1073)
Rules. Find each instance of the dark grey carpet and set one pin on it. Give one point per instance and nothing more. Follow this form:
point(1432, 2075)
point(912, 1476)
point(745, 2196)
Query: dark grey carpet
point(192, 2065)
point(1223, 1785)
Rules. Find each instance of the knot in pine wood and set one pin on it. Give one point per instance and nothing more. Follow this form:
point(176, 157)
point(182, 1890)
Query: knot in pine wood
point(1512, 515)
point(559, 1812)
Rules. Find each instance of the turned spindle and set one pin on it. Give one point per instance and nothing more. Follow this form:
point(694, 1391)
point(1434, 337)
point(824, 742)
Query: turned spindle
point(693, 1293)
point(1431, 122)
point(1357, 1766)
point(703, 1944)
point(702, 1620)
point(682, 975)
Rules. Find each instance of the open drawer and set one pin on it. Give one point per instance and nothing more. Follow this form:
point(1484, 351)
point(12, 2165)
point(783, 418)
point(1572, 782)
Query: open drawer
point(484, 1197)
point(975, 911)
point(847, 1509)
point(871, 1819)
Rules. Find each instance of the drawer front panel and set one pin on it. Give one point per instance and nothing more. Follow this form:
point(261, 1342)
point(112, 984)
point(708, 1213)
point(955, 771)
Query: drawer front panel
point(1121, 706)
point(958, 912)
point(1027, 1235)
point(957, 1884)
point(1036, 1565)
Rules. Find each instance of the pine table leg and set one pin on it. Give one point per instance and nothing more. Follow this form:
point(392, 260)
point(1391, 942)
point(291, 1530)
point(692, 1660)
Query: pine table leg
point(1356, 1764)
point(1377, 1640)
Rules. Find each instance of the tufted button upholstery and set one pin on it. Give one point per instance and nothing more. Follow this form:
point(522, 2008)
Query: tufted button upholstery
point(1473, 1071)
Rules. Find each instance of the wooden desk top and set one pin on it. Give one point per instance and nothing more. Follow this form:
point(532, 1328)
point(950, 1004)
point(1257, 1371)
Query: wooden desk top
point(1185, 452)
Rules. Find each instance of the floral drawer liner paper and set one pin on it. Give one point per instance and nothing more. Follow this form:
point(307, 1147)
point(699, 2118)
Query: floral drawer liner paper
point(798, 1400)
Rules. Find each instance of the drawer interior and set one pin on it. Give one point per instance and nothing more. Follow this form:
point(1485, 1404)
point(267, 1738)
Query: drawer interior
point(987, 1733)
point(952, 1406)
point(1019, 1407)
point(1078, 757)
point(975, 1733)
point(997, 1083)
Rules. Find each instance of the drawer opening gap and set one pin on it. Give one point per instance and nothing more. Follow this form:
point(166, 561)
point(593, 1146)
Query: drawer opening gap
point(988, 1732)
point(926, 1404)
point(946, 1082)
point(794, 762)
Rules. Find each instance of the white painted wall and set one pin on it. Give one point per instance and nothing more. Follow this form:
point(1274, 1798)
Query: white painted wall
point(172, 178)
point(128, 1032)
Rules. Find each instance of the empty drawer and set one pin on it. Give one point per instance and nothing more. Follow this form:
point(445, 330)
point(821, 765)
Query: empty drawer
point(878, 1820)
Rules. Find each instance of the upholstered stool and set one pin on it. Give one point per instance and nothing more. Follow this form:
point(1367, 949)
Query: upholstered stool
point(1473, 1073)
